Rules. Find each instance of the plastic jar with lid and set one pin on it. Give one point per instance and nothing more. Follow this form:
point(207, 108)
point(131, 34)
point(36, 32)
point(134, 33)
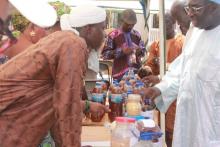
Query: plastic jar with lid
point(145, 140)
point(121, 136)
point(98, 97)
point(115, 103)
point(133, 106)
point(150, 135)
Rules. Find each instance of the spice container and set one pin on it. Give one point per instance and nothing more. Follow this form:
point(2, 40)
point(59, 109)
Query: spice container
point(97, 96)
point(133, 105)
point(115, 103)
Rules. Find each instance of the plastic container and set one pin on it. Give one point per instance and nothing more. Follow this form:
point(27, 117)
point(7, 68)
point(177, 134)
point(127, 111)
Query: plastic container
point(121, 136)
point(147, 140)
point(150, 135)
point(133, 106)
point(127, 86)
point(97, 96)
point(139, 87)
point(148, 108)
point(115, 103)
point(138, 117)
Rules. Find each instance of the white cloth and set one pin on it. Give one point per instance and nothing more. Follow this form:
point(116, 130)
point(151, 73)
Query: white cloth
point(38, 12)
point(194, 78)
point(93, 61)
point(81, 16)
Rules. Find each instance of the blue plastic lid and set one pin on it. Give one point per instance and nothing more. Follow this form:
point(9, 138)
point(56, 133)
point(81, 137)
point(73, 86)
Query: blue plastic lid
point(145, 136)
point(129, 91)
point(97, 84)
point(138, 117)
point(150, 135)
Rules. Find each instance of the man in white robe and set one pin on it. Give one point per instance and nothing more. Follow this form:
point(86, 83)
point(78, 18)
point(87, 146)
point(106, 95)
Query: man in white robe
point(194, 78)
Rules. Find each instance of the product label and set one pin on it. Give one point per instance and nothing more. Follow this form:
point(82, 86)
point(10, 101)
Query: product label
point(116, 98)
point(97, 97)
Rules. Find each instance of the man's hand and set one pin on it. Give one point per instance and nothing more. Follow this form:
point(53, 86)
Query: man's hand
point(97, 108)
point(151, 80)
point(152, 92)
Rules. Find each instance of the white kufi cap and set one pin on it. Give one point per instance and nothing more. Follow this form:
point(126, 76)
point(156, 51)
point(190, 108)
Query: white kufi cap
point(81, 16)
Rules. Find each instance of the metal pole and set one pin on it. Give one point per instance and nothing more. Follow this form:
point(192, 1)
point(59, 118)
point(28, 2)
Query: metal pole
point(162, 58)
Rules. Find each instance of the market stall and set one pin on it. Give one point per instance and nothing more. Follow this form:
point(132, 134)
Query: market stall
point(154, 6)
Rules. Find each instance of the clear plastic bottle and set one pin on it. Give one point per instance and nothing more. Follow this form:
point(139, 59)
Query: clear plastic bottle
point(133, 106)
point(131, 73)
point(121, 135)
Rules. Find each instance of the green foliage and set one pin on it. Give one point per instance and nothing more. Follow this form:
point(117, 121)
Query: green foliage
point(19, 22)
point(61, 8)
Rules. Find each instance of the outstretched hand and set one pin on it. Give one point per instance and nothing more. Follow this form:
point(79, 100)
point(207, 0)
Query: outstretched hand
point(150, 80)
point(97, 108)
point(152, 92)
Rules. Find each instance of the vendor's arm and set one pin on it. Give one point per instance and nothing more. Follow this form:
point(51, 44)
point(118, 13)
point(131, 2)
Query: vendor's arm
point(166, 91)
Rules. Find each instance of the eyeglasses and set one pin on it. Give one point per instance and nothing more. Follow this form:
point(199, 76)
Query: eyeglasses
point(194, 10)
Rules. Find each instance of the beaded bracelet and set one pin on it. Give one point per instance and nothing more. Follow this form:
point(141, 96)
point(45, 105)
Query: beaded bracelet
point(87, 106)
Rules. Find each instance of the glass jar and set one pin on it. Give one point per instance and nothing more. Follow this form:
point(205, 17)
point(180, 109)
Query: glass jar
point(121, 135)
point(133, 105)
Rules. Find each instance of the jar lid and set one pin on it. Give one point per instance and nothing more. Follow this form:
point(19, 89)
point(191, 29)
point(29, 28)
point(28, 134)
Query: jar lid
point(125, 120)
point(136, 97)
point(129, 91)
point(150, 135)
point(138, 117)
